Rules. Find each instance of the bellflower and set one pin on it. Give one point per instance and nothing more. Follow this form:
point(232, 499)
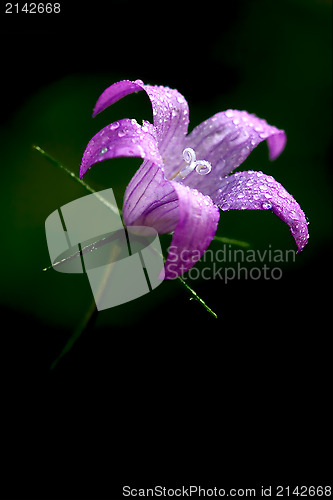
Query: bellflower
point(184, 178)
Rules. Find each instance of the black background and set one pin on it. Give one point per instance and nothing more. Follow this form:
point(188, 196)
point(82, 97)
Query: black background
point(171, 396)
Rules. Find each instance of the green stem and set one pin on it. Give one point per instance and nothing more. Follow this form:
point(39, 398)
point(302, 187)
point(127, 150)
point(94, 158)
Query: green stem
point(196, 297)
point(231, 241)
point(84, 324)
point(62, 167)
point(77, 179)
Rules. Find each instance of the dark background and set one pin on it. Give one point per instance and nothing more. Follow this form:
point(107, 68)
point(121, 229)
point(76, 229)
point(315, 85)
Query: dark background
point(157, 391)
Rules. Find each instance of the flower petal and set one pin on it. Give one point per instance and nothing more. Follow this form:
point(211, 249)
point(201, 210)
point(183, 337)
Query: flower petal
point(123, 138)
point(115, 92)
point(150, 200)
point(225, 140)
point(197, 223)
point(170, 112)
point(257, 191)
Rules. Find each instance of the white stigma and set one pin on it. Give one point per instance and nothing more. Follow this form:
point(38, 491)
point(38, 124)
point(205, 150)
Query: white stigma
point(202, 167)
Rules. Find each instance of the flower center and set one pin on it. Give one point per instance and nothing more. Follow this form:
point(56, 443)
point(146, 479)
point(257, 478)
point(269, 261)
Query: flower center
point(202, 167)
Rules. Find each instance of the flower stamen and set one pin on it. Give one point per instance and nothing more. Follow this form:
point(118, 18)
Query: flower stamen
point(202, 167)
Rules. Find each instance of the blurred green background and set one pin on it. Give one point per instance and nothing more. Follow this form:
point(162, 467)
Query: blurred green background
point(267, 354)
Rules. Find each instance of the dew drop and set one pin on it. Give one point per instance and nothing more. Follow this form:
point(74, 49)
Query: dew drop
point(103, 151)
point(114, 126)
point(226, 206)
point(282, 194)
point(266, 205)
point(293, 215)
point(245, 135)
point(221, 163)
point(244, 152)
point(121, 133)
point(141, 151)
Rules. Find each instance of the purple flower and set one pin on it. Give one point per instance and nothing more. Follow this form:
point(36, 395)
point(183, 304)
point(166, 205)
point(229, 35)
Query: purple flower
point(184, 179)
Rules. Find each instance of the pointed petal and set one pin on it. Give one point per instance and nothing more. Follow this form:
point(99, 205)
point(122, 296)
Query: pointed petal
point(115, 92)
point(170, 112)
point(257, 191)
point(225, 140)
point(123, 138)
point(197, 223)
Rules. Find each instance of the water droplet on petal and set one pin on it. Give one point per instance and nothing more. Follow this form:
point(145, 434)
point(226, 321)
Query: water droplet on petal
point(283, 194)
point(114, 126)
point(293, 215)
point(103, 151)
point(221, 164)
point(244, 151)
point(266, 205)
point(122, 132)
point(142, 151)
